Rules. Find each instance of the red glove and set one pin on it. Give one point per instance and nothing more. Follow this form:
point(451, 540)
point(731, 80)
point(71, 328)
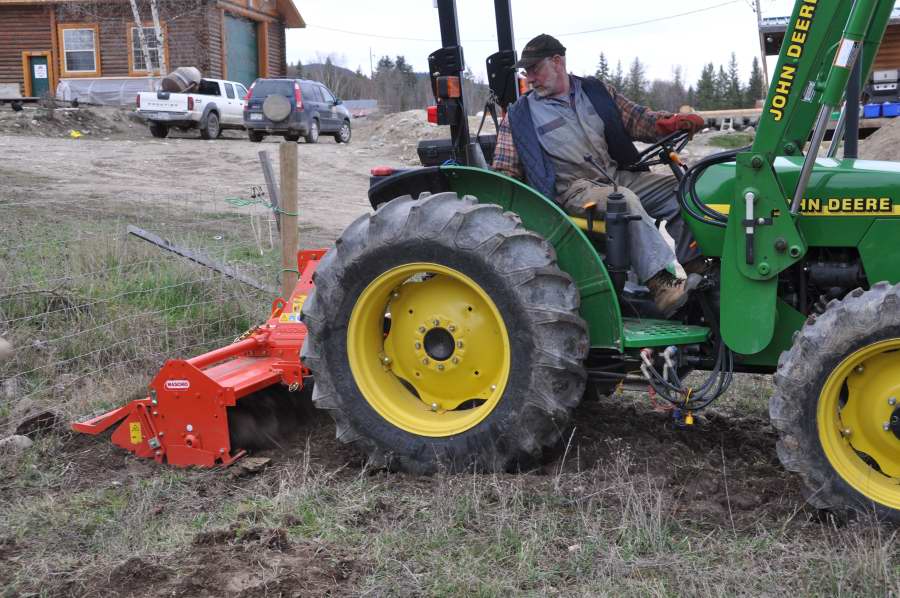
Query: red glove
point(689, 122)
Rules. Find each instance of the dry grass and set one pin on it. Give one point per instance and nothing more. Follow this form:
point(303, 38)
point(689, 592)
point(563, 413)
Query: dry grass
point(630, 507)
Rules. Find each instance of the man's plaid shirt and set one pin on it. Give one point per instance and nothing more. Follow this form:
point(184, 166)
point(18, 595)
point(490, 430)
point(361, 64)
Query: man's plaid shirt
point(639, 121)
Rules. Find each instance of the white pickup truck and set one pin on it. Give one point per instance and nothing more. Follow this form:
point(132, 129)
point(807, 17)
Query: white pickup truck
point(214, 106)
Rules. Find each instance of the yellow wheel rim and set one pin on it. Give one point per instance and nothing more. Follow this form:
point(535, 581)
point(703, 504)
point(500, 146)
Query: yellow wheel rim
point(428, 349)
point(855, 411)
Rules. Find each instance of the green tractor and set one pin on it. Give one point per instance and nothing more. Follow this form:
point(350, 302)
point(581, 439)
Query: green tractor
point(459, 324)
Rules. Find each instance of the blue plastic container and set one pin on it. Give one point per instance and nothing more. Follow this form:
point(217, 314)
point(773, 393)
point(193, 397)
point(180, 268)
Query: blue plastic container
point(872, 111)
point(890, 109)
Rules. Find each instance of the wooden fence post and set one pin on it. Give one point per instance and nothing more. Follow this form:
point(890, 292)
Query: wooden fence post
point(288, 205)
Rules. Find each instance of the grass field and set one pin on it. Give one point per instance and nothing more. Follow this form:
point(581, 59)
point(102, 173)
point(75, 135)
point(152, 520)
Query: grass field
point(630, 505)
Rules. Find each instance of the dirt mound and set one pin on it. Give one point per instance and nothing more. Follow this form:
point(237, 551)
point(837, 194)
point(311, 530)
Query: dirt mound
point(404, 131)
point(883, 144)
point(84, 121)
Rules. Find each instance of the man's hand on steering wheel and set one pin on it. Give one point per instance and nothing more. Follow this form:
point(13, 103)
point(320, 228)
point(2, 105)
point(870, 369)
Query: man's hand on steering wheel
point(692, 123)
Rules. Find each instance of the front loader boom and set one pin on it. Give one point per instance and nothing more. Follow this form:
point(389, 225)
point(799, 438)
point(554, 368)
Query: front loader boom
point(824, 40)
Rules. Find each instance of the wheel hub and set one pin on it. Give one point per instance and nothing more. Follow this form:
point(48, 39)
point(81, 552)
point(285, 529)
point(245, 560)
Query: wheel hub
point(443, 361)
point(859, 421)
point(439, 344)
point(894, 424)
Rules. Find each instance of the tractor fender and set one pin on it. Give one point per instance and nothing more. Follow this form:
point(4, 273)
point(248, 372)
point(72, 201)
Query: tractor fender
point(575, 254)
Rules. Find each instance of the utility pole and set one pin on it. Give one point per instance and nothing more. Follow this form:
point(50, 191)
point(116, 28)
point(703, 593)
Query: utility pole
point(762, 42)
point(371, 68)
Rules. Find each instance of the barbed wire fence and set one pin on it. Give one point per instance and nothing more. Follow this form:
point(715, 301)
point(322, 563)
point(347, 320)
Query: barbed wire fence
point(92, 312)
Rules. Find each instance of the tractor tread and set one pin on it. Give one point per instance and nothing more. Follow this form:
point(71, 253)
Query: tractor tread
point(818, 347)
point(548, 305)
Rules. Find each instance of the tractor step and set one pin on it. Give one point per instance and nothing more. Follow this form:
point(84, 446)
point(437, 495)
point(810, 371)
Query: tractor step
point(641, 333)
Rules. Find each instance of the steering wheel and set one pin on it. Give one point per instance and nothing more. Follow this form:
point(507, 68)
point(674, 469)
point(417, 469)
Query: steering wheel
point(661, 152)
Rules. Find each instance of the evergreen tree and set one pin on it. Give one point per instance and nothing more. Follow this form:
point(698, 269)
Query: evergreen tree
point(691, 97)
point(734, 96)
point(721, 88)
point(603, 69)
point(299, 68)
point(756, 88)
point(636, 82)
point(705, 94)
point(618, 78)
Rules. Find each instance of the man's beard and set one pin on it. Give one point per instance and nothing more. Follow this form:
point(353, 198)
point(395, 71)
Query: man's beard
point(550, 87)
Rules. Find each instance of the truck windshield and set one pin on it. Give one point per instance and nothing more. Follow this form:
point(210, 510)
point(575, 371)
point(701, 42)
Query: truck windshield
point(273, 87)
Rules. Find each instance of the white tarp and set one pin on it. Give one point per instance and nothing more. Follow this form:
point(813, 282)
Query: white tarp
point(106, 91)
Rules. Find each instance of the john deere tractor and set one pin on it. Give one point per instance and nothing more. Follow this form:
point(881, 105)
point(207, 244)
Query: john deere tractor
point(458, 325)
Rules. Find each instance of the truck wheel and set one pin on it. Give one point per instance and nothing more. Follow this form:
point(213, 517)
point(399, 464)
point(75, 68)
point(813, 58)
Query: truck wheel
point(255, 136)
point(442, 334)
point(836, 404)
point(209, 126)
point(313, 135)
point(159, 130)
point(343, 134)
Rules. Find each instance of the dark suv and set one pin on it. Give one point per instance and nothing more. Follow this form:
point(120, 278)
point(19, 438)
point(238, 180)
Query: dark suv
point(295, 108)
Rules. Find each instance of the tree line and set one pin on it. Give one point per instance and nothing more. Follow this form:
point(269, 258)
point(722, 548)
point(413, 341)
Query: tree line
point(716, 89)
point(397, 87)
point(393, 83)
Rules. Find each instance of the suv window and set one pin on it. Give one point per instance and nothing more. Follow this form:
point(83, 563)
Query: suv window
point(209, 88)
point(327, 94)
point(310, 92)
point(229, 91)
point(273, 87)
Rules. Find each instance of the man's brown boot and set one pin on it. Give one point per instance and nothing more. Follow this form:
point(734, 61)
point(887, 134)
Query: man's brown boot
point(699, 265)
point(671, 293)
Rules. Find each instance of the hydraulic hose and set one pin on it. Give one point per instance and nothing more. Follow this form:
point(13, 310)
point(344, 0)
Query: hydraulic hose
point(688, 184)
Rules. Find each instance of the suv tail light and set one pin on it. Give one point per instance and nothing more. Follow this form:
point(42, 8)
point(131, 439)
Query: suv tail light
point(138, 100)
point(298, 97)
point(190, 103)
point(248, 96)
point(431, 111)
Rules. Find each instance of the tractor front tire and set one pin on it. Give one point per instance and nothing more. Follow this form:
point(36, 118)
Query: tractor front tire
point(442, 335)
point(836, 405)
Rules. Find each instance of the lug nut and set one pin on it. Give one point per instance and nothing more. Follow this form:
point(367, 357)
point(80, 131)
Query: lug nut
point(441, 367)
point(436, 322)
point(846, 432)
point(434, 406)
point(860, 369)
point(189, 428)
point(892, 401)
point(425, 361)
point(459, 344)
point(886, 427)
point(451, 328)
point(422, 329)
point(386, 360)
point(455, 360)
point(418, 345)
point(493, 387)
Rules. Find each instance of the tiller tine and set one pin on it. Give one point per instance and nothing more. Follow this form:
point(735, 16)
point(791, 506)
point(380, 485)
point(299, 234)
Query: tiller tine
point(184, 420)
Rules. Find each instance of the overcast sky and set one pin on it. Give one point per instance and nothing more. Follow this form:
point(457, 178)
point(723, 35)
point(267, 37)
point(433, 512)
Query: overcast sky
point(348, 29)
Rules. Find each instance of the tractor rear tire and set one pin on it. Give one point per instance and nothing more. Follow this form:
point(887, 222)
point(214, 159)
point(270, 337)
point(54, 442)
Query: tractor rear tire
point(838, 423)
point(443, 336)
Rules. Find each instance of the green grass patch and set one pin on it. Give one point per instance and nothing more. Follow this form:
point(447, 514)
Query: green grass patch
point(731, 140)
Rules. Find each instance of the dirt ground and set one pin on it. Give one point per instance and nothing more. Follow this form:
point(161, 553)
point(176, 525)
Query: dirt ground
point(630, 505)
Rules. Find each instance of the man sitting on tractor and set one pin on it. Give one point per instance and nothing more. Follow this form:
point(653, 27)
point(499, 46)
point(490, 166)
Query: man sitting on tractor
point(546, 136)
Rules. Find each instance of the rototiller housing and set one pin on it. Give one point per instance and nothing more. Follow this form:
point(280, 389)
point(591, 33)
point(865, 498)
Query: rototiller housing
point(458, 325)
